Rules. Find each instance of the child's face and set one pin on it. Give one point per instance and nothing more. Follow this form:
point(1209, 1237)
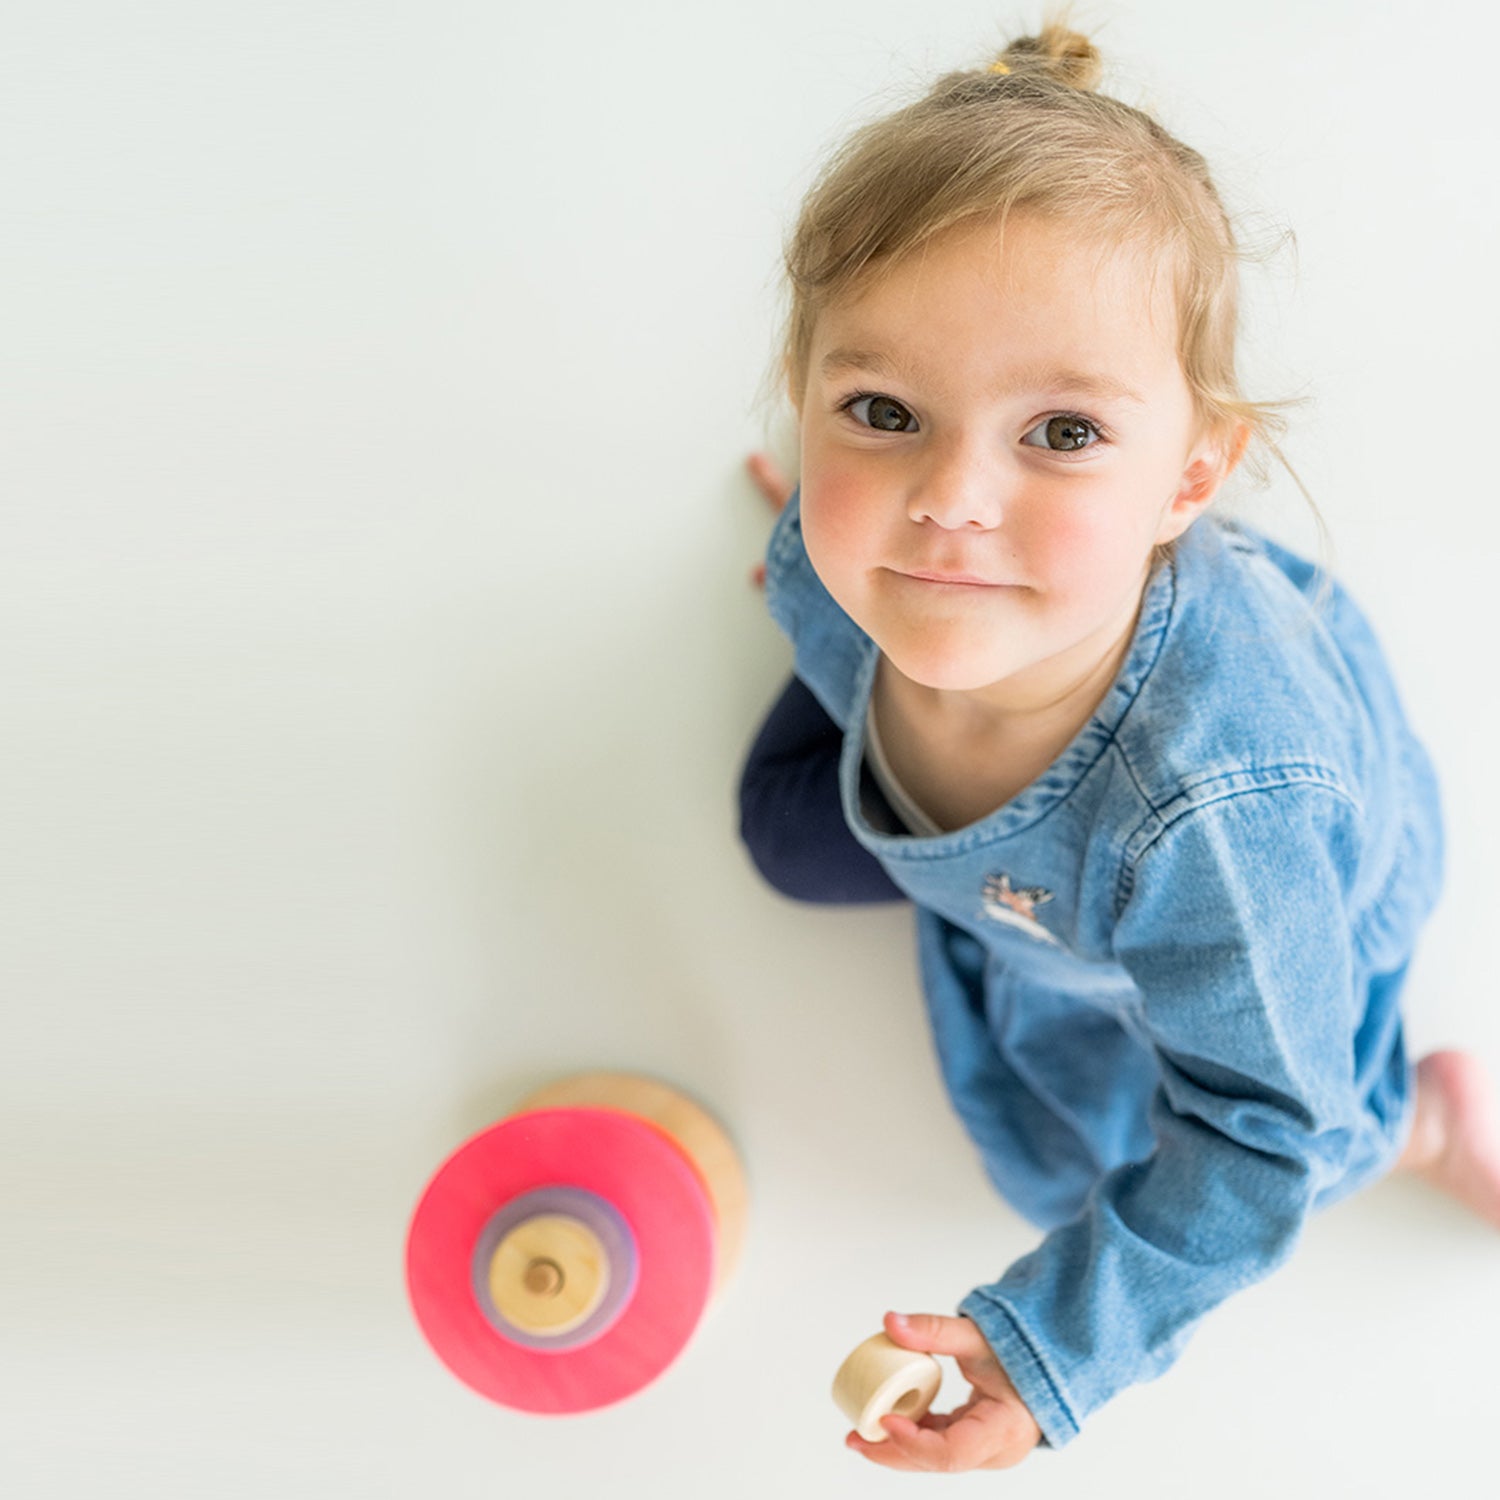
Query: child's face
point(994, 438)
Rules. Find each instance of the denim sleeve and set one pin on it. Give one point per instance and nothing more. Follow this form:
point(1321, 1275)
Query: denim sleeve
point(1235, 927)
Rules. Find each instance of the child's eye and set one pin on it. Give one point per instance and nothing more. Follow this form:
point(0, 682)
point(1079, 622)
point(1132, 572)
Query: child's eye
point(1063, 434)
point(882, 413)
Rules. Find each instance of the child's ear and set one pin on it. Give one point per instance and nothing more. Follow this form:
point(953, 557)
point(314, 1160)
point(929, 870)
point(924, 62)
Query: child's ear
point(1211, 463)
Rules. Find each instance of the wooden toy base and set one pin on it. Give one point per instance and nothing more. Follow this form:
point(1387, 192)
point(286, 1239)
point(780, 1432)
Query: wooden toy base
point(694, 1130)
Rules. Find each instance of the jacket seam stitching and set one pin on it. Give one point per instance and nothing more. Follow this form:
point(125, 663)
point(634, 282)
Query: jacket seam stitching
point(1312, 775)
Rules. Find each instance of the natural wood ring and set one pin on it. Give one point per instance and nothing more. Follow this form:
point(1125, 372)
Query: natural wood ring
point(879, 1379)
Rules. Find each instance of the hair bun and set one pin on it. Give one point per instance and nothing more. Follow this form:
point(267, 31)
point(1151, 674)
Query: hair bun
point(1055, 52)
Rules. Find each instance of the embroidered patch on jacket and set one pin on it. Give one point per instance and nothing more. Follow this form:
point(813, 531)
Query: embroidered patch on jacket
point(1016, 906)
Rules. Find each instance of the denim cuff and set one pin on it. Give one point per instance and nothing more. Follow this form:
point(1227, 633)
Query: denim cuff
point(1026, 1368)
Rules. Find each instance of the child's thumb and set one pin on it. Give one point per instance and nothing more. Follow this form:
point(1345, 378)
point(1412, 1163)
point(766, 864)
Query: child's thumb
point(933, 1334)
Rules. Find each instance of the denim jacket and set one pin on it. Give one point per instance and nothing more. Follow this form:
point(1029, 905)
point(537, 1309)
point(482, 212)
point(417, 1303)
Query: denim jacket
point(1163, 979)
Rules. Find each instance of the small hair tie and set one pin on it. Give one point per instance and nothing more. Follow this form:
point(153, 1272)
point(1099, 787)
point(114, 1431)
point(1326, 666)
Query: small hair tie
point(999, 67)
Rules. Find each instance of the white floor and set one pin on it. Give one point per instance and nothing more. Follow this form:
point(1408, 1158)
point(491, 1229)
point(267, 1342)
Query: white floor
point(378, 654)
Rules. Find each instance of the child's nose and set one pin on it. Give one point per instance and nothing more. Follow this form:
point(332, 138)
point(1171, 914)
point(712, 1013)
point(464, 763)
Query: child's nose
point(963, 486)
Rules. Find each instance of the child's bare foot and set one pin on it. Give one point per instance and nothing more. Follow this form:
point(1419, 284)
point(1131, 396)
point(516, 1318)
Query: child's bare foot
point(1455, 1136)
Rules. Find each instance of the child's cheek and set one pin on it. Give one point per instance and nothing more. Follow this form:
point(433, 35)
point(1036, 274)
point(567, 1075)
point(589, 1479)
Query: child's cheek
point(1093, 554)
point(1065, 541)
point(835, 519)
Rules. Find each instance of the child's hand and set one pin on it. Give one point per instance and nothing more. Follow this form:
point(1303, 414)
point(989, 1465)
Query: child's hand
point(991, 1430)
point(777, 489)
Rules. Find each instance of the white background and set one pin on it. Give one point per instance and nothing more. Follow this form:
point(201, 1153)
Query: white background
point(377, 653)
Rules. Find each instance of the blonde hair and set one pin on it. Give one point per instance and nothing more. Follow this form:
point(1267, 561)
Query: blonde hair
point(1028, 134)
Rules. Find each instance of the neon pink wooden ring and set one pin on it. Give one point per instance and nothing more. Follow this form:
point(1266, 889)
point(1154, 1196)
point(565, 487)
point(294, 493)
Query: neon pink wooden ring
point(642, 1175)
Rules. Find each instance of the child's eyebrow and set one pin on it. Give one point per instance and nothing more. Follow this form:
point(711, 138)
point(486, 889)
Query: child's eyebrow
point(857, 359)
point(1100, 387)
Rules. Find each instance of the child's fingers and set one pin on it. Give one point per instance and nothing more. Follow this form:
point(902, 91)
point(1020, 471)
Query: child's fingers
point(893, 1453)
point(770, 480)
point(979, 1439)
point(920, 1449)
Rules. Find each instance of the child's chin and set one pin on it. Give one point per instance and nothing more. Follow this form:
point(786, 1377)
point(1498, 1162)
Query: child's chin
point(947, 671)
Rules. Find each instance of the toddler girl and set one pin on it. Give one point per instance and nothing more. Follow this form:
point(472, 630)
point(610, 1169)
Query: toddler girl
point(1143, 772)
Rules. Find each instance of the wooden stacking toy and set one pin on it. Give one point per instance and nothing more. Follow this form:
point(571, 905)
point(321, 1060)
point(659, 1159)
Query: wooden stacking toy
point(560, 1260)
point(881, 1379)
